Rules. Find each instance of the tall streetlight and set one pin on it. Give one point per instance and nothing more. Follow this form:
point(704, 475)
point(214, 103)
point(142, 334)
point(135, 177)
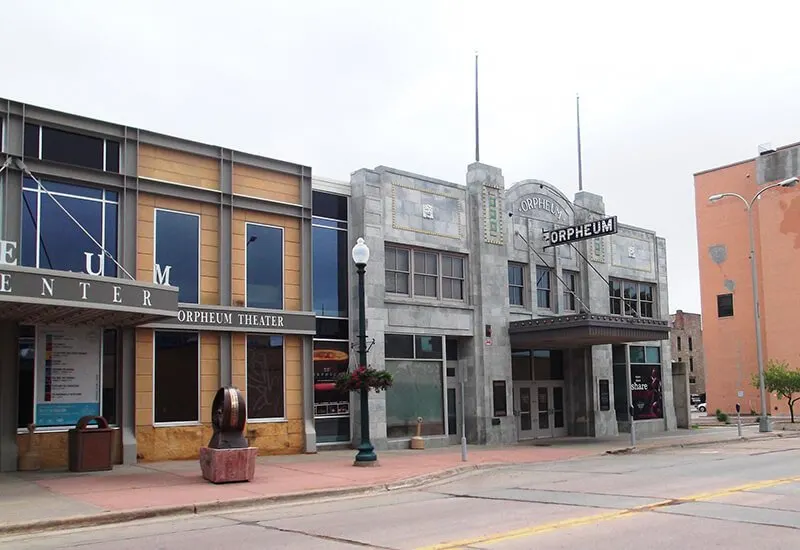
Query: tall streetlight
point(366, 452)
point(763, 422)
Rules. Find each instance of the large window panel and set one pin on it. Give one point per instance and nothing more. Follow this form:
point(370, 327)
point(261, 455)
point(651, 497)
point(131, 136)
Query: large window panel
point(646, 385)
point(51, 239)
point(452, 277)
point(178, 253)
point(397, 270)
point(631, 298)
point(544, 288)
point(416, 392)
point(516, 284)
point(331, 255)
point(264, 254)
point(331, 407)
point(426, 274)
point(265, 377)
point(176, 377)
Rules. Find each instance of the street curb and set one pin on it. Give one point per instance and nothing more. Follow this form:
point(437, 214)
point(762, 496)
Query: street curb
point(126, 516)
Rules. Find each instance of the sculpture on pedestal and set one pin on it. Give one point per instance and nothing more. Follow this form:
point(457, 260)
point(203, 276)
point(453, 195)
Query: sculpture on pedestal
point(228, 456)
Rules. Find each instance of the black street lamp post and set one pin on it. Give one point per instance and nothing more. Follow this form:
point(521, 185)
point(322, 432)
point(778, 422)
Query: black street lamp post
point(366, 452)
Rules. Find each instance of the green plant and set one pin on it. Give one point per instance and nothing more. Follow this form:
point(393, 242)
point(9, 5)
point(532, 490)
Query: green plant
point(781, 380)
point(722, 417)
point(364, 378)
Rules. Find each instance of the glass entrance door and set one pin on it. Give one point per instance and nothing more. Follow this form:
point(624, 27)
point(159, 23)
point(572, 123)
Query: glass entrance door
point(550, 409)
point(523, 409)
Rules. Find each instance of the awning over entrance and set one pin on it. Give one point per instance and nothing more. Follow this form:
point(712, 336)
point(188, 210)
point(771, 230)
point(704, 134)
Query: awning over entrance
point(43, 296)
point(585, 329)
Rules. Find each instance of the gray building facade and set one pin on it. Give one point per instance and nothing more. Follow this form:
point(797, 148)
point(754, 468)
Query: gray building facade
point(464, 301)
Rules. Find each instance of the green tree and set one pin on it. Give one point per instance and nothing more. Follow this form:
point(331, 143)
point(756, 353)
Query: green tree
point(783, 381)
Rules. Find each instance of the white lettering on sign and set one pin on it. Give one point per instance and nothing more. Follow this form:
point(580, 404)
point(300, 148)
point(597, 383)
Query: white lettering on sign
point(117, 299)
point(635, 386)
point(161, 277)
point(5, 282)
point(100, 264)
point(589, 230)
point(267, 320)
point(541, 203)
point(7, 249)
point(47, 286)
point(146, 298)
point(84, 286)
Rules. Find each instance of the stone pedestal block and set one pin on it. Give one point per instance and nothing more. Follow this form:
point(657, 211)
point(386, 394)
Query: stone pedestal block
point(228, 465)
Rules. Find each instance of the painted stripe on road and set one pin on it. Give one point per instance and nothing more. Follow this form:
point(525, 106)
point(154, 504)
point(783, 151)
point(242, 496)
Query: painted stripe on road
point(585, 520)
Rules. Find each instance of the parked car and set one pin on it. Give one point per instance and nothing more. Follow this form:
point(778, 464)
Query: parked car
point(702, 407)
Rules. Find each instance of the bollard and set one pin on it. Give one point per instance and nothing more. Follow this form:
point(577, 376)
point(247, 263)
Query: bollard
point(633, 429)
point(739, 418)
point(463, 427)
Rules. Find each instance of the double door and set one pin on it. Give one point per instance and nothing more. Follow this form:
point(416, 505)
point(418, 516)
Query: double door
point(539, 408)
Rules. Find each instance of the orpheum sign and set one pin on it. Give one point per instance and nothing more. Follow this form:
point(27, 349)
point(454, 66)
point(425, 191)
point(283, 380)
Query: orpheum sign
point(240, 319)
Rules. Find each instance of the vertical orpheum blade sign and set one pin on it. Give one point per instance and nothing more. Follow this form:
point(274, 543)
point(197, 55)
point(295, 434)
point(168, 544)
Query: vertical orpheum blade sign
point(574, 233)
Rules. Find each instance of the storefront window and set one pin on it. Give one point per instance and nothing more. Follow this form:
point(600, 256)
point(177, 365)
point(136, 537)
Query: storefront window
point(66, 373)
point(178, 253)
point(331, 407)
point(264, 264)
point(620, 383)
point(176, 377)
point(265, 377)
point(331, 254)
point(646, 389)
point(418, 385)
point(52, 240)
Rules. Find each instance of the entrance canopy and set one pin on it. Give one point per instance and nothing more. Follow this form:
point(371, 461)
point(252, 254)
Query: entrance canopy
point(584, 329)
point(43, 296)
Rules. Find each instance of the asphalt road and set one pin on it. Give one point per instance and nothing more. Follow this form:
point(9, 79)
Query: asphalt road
point(742, 495)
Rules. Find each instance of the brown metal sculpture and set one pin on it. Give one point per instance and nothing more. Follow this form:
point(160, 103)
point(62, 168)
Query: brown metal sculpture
point(228, 417)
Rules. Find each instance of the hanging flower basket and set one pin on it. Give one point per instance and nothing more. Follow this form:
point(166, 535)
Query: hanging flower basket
point(364, 378)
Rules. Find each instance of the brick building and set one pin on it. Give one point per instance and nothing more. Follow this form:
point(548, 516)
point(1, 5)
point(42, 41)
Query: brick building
point(686, 339)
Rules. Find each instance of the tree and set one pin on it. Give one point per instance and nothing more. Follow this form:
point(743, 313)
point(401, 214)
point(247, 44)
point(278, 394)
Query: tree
point(781, 380)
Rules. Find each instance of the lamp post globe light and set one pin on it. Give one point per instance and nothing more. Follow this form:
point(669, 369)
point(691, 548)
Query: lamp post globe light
point(366, 452)
point(763, 421)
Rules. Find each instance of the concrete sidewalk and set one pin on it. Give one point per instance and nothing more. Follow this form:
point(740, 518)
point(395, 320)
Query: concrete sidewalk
point(36, 501)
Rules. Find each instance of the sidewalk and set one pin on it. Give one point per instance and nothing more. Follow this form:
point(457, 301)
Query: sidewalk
point(34, 501)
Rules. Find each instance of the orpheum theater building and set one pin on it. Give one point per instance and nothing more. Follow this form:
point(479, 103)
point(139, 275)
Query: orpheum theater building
point(141, 272)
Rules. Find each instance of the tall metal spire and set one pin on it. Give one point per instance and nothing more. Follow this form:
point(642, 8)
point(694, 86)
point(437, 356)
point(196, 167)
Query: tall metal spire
point(580, 162)
point(477, 129)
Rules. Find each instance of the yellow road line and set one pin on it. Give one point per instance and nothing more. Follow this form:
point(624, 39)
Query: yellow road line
point(585, 520)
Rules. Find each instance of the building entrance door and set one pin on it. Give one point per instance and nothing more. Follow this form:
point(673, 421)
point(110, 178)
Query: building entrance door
point(550, 409)
point(523, 410)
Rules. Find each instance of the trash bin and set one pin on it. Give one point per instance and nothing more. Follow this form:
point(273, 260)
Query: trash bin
point(90, 448)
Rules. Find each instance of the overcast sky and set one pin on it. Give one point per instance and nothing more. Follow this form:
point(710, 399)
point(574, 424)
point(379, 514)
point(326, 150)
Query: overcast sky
point(665, 91)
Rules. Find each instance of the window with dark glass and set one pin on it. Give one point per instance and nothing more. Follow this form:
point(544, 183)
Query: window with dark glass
point(426, 274)
point(679, 343)
point(516, 284)
point(691, 364)
point(52, 240)
point(331, 407)
point(329, 205)
point(499, 399)
point(264, 261)
point(631, 298)
point(619, 368)
point(725, 305)
point(57, 145)
point(399, 346)
point(331, 255)
point(452, 277)
point(570, 290)
point(176, 377)
point(265, 377)
point(397, 270)
point(428, 347)
point(109, 376)
point(543, 287)
point(646, 384)
point(691, 346)
point(177, 255)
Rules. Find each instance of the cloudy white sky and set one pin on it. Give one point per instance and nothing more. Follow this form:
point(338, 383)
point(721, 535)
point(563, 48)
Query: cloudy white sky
point(667, 89)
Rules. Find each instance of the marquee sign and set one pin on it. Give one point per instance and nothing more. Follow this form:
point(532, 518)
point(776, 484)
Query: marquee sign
point(239, 319)
point(574, 233)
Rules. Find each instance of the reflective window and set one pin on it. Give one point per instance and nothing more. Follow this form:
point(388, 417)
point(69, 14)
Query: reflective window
point(176, 377)
point(265, 374)
point(264, 265)
point(516, 284)
point(725, 305)
point(331, 254)
point(57, 145)
point(570, 290)
point(398, 269)
point(631, 298)
point(544, 294)
point(51, 238)
point(646, 388)
point(177, 263)
point(331, 407)
point(330, 206)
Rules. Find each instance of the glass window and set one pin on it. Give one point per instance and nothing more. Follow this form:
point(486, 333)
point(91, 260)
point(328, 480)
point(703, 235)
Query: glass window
point(725, 305)
point(646, 300)
point(543, 287)
point(417, 391)
point(452, 277)
point(72, 148)
point(178, 253)
point(691, 364)
point(516, 284)
point(112, 156)
point(333, 329)
point(426, 274)
point(265, 377)
point(548, 365)
point(521, 368)
point(176, 384)
point(331, 255)
point(679, 343)
point(615, 296)
point(428, 347)
point(331, 407)
point(110, 366)
point(397, 270)
point(31, 140)
point(620, 383)
point(499, 401)
point(646, 388)
point(691, 347)
point(52, 240)
point(399, 346)
point(630, 303)
point(570, 290)
point(631, 298)
point(25, 382)
point(264, 261)
point(327, 205)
